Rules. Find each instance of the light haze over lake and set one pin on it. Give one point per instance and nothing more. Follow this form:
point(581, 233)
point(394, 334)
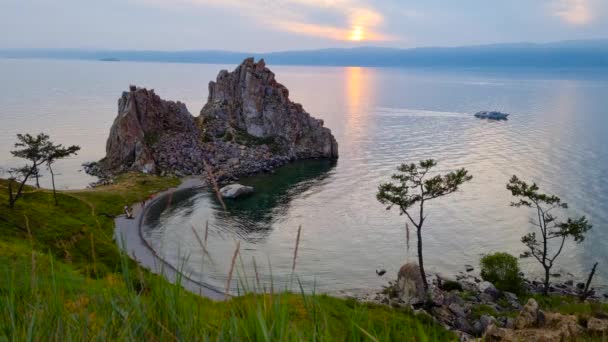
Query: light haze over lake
point(556, 136)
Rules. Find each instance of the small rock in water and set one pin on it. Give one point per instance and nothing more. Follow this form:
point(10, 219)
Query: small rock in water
point(469, 268)
point(235, 190)
point(491, 115)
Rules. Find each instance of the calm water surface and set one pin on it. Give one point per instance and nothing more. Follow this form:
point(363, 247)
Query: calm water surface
point(557, 136)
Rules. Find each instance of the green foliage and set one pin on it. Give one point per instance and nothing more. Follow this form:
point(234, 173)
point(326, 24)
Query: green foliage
point(551, 229)
point(450, 285)
point(38, 150)
point(46, 300)
point(85, 289)
point(78, 230)
point(479, 310)
point(412, 189)
point(32, 149)
point(502, 270)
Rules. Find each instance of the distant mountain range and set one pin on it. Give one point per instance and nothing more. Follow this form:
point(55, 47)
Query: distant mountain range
point(565, 54)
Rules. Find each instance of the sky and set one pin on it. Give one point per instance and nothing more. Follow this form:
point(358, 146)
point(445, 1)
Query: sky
point(278, 25)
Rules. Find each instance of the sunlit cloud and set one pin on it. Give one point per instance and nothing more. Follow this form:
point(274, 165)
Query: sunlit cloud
point(361, 27)
point(360, 21)
point(355, 34)
point(575, 12)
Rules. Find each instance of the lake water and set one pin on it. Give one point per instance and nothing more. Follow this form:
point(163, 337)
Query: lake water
point(557, 136)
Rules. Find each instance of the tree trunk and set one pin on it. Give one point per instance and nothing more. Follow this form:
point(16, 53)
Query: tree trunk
point(547, 275)
point(20, 189)
point(37, 176)
point(53, 182)
point(420, 261)
point(585, 293)
point(11, 202)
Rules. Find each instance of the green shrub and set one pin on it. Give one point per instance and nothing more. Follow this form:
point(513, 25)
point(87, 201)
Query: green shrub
point(502, 270)
point(450, 285)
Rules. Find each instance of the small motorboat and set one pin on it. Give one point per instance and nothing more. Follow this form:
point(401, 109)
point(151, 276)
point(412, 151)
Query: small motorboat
point(491, 115)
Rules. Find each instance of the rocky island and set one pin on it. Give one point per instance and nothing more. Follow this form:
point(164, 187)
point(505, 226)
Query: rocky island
point(248, 125)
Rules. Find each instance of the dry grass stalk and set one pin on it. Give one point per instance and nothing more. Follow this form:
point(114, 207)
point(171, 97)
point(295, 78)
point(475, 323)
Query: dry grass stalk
point(295, 252)
point(229, 280)
point(407, 236)
point(198, 239)
point(216, 188)
point(206, 231)
point(271, 278)
point(257, 274)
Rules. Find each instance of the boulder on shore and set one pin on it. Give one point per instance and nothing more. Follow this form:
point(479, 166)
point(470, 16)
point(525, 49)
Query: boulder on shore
point(235, 190)
point(410, 285)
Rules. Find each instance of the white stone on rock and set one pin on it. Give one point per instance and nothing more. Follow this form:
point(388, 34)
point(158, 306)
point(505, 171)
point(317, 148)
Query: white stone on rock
point(235, 190)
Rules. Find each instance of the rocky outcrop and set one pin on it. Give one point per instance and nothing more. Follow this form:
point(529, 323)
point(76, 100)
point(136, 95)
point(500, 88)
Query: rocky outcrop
point(150, 134)
point(250, 102)
point(410, 287)
point(235, 190)
point(248, 125)
point(533, 324)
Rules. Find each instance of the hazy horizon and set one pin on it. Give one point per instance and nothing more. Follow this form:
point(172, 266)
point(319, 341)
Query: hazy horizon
point(261, 26)
point(569, 54)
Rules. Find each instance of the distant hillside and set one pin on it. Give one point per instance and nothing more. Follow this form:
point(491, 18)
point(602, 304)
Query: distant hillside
point(566, 54)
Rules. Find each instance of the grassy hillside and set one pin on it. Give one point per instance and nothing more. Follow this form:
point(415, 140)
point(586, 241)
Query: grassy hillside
point(65, 279)
point(80, 229)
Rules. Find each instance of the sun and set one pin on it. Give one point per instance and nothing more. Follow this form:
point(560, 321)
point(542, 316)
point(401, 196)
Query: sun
point(356, 34)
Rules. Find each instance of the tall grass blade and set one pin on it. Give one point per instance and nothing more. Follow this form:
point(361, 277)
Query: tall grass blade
point(229, 280)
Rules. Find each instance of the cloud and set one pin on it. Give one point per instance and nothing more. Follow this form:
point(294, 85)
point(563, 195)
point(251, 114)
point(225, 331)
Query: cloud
point(356, 21)
point(575, 12)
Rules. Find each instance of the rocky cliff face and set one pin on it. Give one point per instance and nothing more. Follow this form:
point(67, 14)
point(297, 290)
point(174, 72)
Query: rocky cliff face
point(248, 125)
point(250, 101)
point(150, 134)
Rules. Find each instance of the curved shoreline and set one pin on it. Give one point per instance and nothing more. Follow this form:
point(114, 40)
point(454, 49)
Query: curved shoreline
point(129, 236)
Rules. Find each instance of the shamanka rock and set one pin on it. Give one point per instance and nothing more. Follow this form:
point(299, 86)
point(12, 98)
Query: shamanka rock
point(250, 102)
point(248, 125)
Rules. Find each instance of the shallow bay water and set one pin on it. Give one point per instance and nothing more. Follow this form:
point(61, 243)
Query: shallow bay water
point(556, 136)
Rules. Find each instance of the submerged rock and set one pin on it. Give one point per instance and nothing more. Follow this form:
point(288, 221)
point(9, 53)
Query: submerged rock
point(235, 190)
